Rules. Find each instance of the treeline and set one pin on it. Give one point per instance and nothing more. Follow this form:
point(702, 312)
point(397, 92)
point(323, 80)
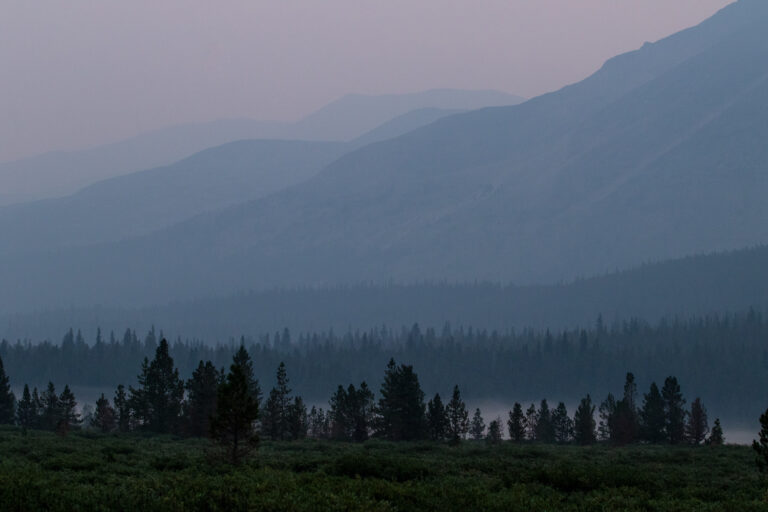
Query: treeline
point(724, 358)
point(230, 408)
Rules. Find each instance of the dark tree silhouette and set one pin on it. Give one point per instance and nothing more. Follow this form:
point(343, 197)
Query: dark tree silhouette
point(156, 403)
point(122, 409)
point(26, 411)
point(760, 445)
point(458, 417)
point(516, 423)
point(7, 400)
point(674, 410)
point(697, 427)
point(233, 426)
point(401, 405)
point(200, 405)
point(716, 438)
point(494, 432)
point(477, 427)
point(437, 419)
point(584, 422)
point(562, 425)
point(104, 417)
point(276, 422)
point(653, 416)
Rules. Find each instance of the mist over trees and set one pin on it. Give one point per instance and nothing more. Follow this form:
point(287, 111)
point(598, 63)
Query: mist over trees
point(723, 358)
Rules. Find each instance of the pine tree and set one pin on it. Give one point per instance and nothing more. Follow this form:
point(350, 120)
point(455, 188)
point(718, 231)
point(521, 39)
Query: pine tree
point(607, 413)
point(458, 417)
point(697, 427)
point(627, 420)
point(202, 390)
point(584, 422)
point(318, 423)
point(122, 409)
point(104, 417)
point(233, 426)
point(37, 410)
point(401, 407)
point(545, 432)
point(562, 424)
point(242, 358)
point(156, 404)
point(674, 411)
point(531, 422)
point(437, 420)
point(298, 421)
point(7, 399)
point(69, 416)
point(26, 411)
point(276, 421)
point(494, 432)
point(477, 428)
point(516, 423)
point(716, 438)
point(761, 445)
point(50, 412)
point(653, 417)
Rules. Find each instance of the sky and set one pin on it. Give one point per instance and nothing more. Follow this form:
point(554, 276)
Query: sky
point(81, 73)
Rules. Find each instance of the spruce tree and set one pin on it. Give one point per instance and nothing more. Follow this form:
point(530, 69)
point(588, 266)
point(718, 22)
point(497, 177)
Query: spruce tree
point(26, 411)
point(7, 399)
point(674, 410)
point(200, 405)
point(716, 438)
point(516, 423)
point(401, 407)
point(104, 417)
point(652, 415)
point(584, 422)
point(298, 421)
point(607, 413)
point(697, 427)
point(233, 426)
point(545, 431)
point(122, 409)
point(242, 358)
point(562, 424)
point(276, 413)
point(437, 420)
point(494, 432)
point(318, 423)
point(477, 428)
point(156, 403)
point(531, 422)
point(50, 410)
point(458, 417)
point(69, 416)
point(37, 409)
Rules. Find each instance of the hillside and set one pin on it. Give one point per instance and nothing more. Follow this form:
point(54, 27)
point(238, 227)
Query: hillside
point(62, 173)
point(659, 154)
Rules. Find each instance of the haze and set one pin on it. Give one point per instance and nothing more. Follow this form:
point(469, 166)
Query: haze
point(78, 74)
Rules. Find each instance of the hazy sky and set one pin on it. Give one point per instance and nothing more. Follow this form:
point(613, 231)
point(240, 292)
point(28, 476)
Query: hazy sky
point(79, 73)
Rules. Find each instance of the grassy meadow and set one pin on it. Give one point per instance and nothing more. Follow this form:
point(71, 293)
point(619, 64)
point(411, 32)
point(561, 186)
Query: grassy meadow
point(42, 471)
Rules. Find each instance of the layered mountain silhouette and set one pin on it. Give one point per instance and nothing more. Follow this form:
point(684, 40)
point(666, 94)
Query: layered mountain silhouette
point(62, 173)
point(659, 154)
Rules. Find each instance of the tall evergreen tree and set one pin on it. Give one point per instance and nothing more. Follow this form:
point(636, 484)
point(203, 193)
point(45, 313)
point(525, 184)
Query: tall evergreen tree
point(562, 424)
point(7, 399)
point(458, 417)
point(401, 408)
point(437, 419)
point(494, 432)
point(68, 415)
point(607, 414)
point(51, 411)
point(674, 409)
point(26, 411)
point(298, 420)
point(200, 405)
point(37, 409)
point(516, 423)
point(584, 422)
point(277, 409)
point(531, 422)
point(716, 438)
point(242, 358)
point(156, 403)
point(122, 409)
point(697, 427)
point(233, 426)
point(477, 428)
point(104, 417)
point(653, 417)
point(319, 427)
point(545, 431)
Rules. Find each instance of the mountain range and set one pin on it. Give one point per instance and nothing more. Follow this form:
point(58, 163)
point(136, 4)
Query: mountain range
point(659, 154)
point(61, 173)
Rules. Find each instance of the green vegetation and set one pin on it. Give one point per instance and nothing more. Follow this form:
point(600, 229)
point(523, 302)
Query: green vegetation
point(87, 471)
